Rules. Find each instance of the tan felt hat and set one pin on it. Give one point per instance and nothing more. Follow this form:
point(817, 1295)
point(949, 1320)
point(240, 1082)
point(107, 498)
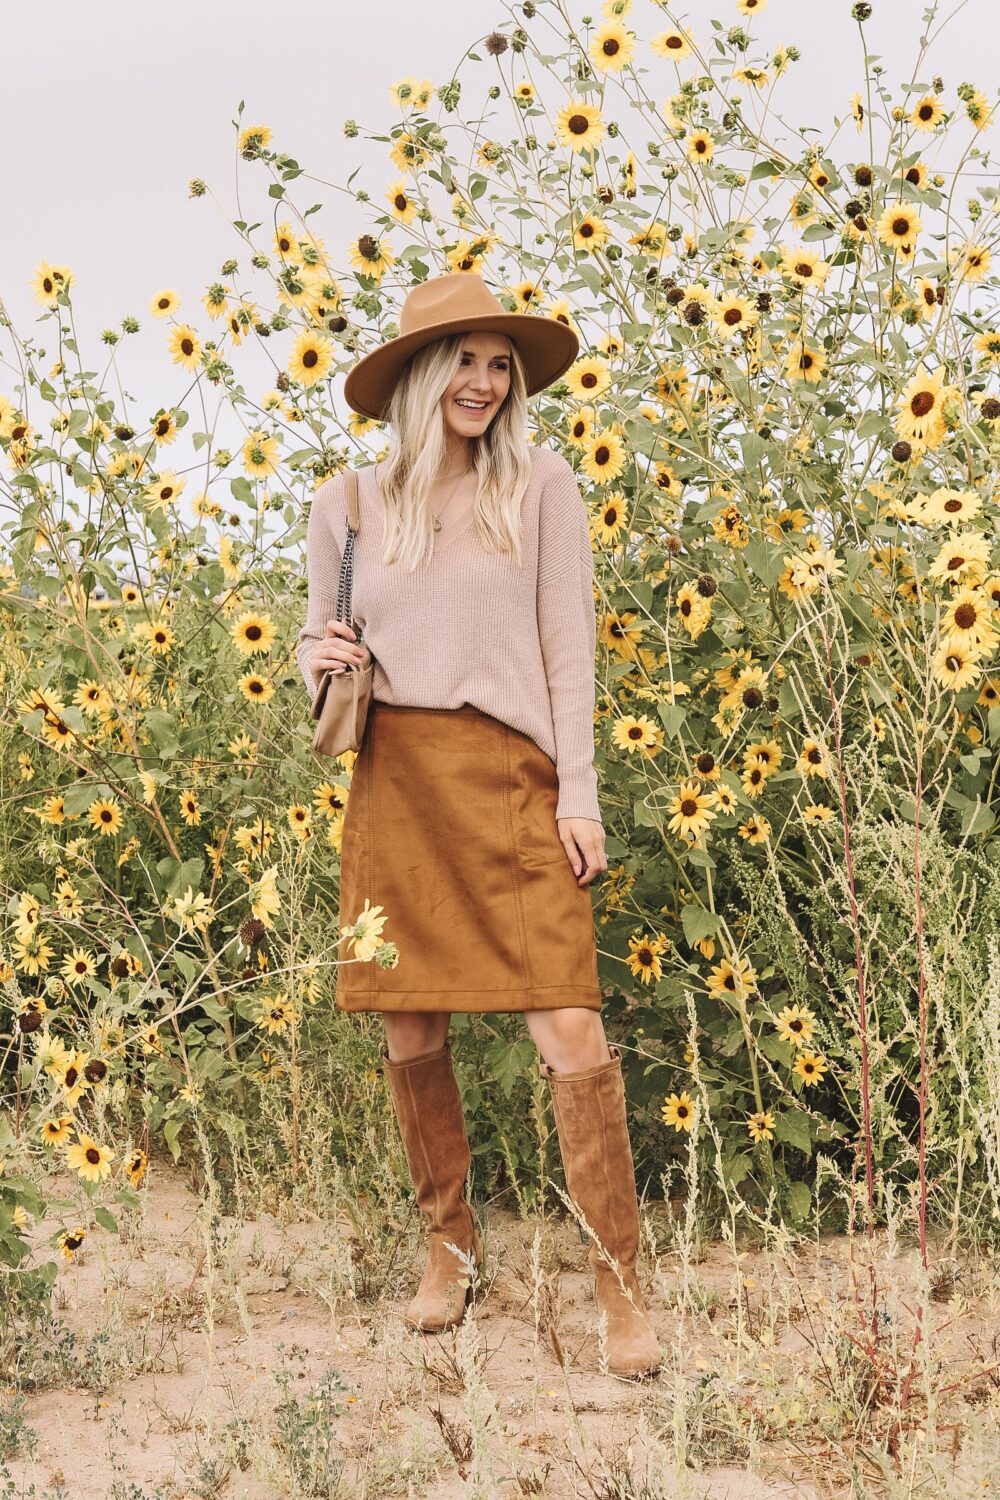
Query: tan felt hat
point(459, 302)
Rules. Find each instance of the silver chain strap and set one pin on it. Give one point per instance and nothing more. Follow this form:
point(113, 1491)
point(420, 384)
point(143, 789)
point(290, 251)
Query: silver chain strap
point(346, 585)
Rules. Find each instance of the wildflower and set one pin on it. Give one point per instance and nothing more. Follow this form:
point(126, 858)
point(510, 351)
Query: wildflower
point(691, 810)
point(761, 1125)
point(91, 1161)
point(898, 228)
point(927, 113)
point(678, 1110)
point(253, 632)
point(700, 146)
point(795, 1025)
point(810, 1067)
point(70, 1241)
point(580, 126)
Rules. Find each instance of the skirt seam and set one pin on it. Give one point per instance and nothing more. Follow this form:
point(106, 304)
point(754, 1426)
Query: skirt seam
point(509, 816)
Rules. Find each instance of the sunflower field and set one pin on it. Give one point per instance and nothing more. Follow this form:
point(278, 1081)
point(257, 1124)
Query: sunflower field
point(785, 422)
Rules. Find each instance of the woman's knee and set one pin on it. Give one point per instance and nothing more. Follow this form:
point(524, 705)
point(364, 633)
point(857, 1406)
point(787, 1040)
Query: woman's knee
point(412, 1034)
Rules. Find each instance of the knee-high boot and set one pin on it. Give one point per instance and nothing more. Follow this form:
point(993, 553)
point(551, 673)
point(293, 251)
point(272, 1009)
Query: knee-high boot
point(589, 1109)
point(428, 1107)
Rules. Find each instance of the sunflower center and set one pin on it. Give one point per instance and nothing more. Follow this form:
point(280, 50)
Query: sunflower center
point(732, 316)
point(922, 403)
point(93, 1155)
point(900, 226)
point(689, 807)
point(803, 269)
point(610, 48)
point(965, 616)
point(602, 455)
point(578, 124)
point(675, 42)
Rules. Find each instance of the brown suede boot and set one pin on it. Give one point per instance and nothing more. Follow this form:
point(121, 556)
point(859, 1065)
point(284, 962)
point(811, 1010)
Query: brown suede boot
point(597, 1158)
point(428, 1108)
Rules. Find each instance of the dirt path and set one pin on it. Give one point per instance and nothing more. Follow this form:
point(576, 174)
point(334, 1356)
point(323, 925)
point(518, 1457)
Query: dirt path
point(253, 1372)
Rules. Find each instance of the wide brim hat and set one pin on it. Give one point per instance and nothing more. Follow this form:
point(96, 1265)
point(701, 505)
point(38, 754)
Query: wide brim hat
point(459, 302)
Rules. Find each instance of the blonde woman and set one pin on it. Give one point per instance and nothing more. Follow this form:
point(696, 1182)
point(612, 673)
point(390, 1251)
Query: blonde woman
point(473, 818)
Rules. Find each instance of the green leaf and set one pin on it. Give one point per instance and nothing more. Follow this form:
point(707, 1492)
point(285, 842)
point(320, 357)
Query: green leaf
point(106, 1219)
point(698, 923)
point(792, 1127)
point(509, 1061)
point(799, 1200)
point(171, 1130)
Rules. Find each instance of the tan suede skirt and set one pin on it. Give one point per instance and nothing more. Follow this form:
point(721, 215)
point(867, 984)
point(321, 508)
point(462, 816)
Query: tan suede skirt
point(450, 828)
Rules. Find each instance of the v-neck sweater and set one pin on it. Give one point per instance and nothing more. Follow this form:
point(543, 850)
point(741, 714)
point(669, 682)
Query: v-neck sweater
point(471, 627)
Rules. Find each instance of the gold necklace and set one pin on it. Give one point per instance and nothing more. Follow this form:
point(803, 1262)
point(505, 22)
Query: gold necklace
point(440, 513)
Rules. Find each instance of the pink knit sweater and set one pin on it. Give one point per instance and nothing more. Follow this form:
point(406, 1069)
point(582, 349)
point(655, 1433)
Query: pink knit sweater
point(472, 627)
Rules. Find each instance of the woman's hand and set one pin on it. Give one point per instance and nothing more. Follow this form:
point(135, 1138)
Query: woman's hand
point(583, 840)
point(338, 651)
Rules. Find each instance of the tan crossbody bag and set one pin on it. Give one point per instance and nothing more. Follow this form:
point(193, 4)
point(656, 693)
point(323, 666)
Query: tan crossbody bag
point(340, 706)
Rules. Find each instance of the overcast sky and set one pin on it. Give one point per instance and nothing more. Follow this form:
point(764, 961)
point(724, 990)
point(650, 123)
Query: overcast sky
point(108, 110)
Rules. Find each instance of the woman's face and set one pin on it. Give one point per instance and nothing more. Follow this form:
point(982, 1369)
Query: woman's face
point(483, 378)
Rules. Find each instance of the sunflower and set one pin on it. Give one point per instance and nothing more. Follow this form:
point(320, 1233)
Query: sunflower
point(898, 227)
point(604, 456)
point(311, 358)
point(803, 266)
point(164, 303)
point(189, 809)
point(674, 44)
point(761, 1125)
point(258, 689)
point(921, 404)
point(812, 760)
point(77, 965)
point(956, 667)
point(971, 263)
point(91, 1161)
point(105, 815)
point(691, 810)
point(580, 126)
point(947, 507)
point(369, 255)
point(795, 1025)
point(588, 377)
point(700, 146)
point(805, 364)
point(732, 981)
point(329, 800)
point(591, 233)
point(678, 1110)
point(926, 300)
point(401, 205)
point(964, 558)
point(733, 314)
point(157, 637)
point(70, 1241)
point(988, 343)
point(56, 1132)
point(611, 47)
point(916, 174)
point(750, 7)
point(184, 346)
point(253, 632)
point(967, 622)
point(810, 1067)
point(135, 1166)
point(927, 113)
point(857, 110)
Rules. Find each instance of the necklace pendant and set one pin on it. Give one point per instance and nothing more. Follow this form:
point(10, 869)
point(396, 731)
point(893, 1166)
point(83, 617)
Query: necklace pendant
point(437, 524)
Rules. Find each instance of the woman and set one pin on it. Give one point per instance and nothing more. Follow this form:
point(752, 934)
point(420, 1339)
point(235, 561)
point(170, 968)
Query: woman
point(473, 819)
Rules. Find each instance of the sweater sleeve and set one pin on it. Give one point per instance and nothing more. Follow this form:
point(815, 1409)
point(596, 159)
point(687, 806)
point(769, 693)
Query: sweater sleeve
point(323, 555)
point(567, 631)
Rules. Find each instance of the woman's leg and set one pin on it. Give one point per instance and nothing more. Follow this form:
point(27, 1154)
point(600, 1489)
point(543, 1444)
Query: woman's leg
point(570, 1039)
point(414, 1033)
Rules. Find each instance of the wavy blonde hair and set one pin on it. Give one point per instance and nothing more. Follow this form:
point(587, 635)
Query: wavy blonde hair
point(501, 457)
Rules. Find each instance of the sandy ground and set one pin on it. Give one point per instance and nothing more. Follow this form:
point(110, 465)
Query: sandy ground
point(186, 1364)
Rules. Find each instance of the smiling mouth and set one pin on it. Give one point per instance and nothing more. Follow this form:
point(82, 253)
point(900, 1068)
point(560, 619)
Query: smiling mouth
point(474, 410)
